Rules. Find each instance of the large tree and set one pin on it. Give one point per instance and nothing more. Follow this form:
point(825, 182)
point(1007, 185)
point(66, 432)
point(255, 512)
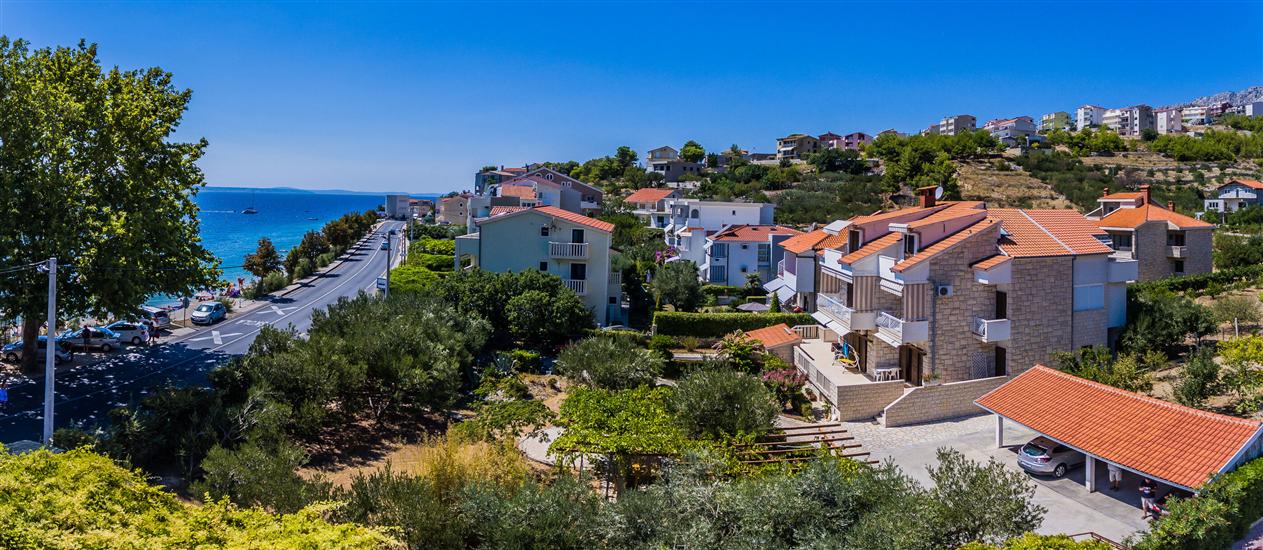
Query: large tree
point(89, 175)
point(264, 260)
point(692, 151)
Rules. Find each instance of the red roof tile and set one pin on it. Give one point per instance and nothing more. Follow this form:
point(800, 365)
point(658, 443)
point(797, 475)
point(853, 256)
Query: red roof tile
point(1131, 218)
point(874, 246)
point(753, 232)
point(519, 191)
point(498, 210)
point(804, 242)
point(1252, 184)
point(649, 194)
point(575, 218)
point(1170, 442)
point(943, 245)
point(1047, 233)
point(775, 335)
point(1124, 196)
point(1078, 233)
point(991, 261)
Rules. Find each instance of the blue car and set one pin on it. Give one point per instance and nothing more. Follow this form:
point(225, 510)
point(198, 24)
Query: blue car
point(208, 313)
point(13, 352)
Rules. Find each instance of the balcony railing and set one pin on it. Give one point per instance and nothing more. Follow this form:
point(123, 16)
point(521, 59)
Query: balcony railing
point(1174, 251)
point(780, 268)
point(579, 286)
point(991, 330)
point(568, 250)
point(896, 331)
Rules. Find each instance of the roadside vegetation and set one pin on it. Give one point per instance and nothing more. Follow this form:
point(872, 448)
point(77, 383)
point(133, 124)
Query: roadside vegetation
point(316, 251)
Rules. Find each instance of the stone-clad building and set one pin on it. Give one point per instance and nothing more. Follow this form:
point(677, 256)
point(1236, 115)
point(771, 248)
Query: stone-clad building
point(1164, 241)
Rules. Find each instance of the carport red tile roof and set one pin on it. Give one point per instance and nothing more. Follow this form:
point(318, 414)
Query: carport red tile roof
point(1170, 442)
point(649, 194)
point(775, 335)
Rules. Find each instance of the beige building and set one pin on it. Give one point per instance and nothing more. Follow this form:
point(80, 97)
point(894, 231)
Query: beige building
point(1168, 121)
point(953, 125)
point(1163, 241)
point(796, 146)
point(453, 210)
point(1129, 121)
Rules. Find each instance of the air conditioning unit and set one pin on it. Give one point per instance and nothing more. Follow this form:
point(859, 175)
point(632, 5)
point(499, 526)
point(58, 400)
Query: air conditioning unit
point(943, 290)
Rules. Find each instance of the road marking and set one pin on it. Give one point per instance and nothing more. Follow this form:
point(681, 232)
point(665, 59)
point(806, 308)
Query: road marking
point(281, 310)
point(253, 323)
point(216, 336)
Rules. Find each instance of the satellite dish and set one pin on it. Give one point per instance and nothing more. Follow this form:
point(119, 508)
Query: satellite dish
point(938, 192)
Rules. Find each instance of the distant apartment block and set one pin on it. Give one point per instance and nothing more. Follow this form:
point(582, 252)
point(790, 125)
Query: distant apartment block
point(1129, 121)
point(923, 309)
point(1059, 120)
point(852, 141)
point(958, 124)
point(453, 210)
point(1088, 116)
point(1204, 114)
point(737, 251)
point(667, 162)
point(398, 207)
point(650, 205)
point(693, 220)
point(1235, 195)
point(1163, 241)
point(796, 146)
point(491, 177)
point(420, 208)
point(1168, 121)
point(1252, 109)
point(795, 281)
point(572, 246)
point(552, 188)
point(1011, 131)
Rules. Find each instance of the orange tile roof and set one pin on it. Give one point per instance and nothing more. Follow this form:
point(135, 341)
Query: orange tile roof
point(804, 242)
point(991, 261)
point(900, 213)
point(1047, 233)
point(649, 194)
point(1173, 443)
point(753, 232)
point(874, 246)
point(775, 335)
point(1078, 233)
point(943, 245)
point(1124, 196)
point(1132, 218)
point(947, 215)
point(497, 210)
point(1252, 184)
point(519, 191)
point(575, 218)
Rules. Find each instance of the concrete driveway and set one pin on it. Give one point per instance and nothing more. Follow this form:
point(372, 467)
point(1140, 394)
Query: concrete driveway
point(1070, 508)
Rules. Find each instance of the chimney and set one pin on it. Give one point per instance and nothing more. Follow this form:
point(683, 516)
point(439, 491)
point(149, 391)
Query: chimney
point(1106, 191)
point(1144, 194)
point(927, 196)
point(1171, 206)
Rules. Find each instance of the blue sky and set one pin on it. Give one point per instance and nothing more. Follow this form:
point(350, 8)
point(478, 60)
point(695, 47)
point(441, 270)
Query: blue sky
point(415, 96)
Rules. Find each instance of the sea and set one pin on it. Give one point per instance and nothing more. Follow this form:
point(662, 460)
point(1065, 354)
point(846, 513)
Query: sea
point(284, 215)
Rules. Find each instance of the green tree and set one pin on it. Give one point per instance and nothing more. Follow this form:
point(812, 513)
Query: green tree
point(1162, 320)
point(625, 157)
point(610, 363)
point(1235, 311)
point(1243, 370)
point(411, 279)
point(971, 501)
point(692, 151)
point(1199, 380)
point(741, 352)
point(1130, 371)
point(542, 320)
point(715, 402)
point(91, 177)
point(846, 161)
point(1237, 250)
point(676, 283)
point(264, 260)
point(254, 475)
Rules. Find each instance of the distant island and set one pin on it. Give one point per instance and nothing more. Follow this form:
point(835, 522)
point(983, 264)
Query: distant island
point(225, 189)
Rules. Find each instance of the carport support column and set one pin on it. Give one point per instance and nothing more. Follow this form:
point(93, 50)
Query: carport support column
point(1089, 474)
point(999, 432)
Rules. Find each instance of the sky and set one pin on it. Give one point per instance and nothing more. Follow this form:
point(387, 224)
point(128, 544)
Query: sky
point(416, 96)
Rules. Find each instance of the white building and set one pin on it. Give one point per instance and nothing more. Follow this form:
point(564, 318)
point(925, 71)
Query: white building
point(1011, 131)
point(650, 205)
point(1168, 121)
point(572, 246)
point(1088, 116)
point(739, 250)
point(398, 207)
point(692, 220)
point(1059, 120)
point(953, 125)
point(1129, 121)
point(1249, 109)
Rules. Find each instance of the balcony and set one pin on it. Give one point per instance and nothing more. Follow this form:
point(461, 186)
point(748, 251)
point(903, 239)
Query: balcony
point(1177, 251)
point(579, 287)
point(1123, 269)
point(780, 268)
point(841, 318)
point(896, 331)
point(991, 330)
point(568, 251)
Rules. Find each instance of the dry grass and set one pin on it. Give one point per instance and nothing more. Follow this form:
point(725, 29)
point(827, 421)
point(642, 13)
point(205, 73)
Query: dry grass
point(442, 459)
point(981, 181)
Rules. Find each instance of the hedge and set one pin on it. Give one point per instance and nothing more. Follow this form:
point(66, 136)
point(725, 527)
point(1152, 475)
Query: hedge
point(1216, 518)
point(716, 325)
point(1201, 281)
point(722, 290)
point(432, 262)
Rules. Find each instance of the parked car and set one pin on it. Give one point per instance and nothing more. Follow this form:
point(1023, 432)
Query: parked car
point(91, 338)
point(154, 315)
point(208, 313)
point(13, 352)
point(1045, 456)
point(127, 331)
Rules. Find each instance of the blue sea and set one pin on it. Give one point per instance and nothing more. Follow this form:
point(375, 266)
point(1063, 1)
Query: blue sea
point(284, 216)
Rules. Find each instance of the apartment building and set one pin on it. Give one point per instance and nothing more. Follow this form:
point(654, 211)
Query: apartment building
point(693, 220)
point(852, 141)
point(420, 208)
point(795, 281)
point(572, 246)
point(1088, 116)
point(556, 189)
point(1011, 131)
point(1129, 121)
point(1235, 195)
point(398, 207)
point(737, 251)
point(650, 205)
point(1059, 120)
point(796, 146)
point(927, 308)
point(486, 178)
point(1204, 114)
point(454, 209)
point(1168, 121)
point(958, 124)
point(1251, 109)
point(1163, 241)
point(666, 161)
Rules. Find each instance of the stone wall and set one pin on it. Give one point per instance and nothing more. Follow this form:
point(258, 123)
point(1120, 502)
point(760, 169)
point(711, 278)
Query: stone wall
point(956, 354)
point(1040, 308)
point(866, 401)
point(1150, 243)
point(1091, 328)
point(940, 402)
point(881, 354)
point(1199, 244)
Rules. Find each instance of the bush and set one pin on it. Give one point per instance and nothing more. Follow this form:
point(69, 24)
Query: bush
point(1215, 518)
point(525, 360)
point(609, 363)
point(662, 345)
point(433, 262)
point(427, 245)
point(253, 475)
point(717, 325)
point(228, 303)
point(303, 268)
point(270, 283)
point(411, 279)
point(713, 403)
point(325, 259)
point(1199, 282)
point(1199, 379)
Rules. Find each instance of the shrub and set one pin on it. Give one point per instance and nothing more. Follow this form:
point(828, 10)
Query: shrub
point(302, 268)
point(411, 279)
point(228, 303)
point(325, 259)
point(433, 262)
point(713, 403)
point(608, 363)
point(270, 283)
point(717, 325)
point(1199, 379)
point(1215, 518)
point(525, 360)
point(662, 345)
point(253, 475)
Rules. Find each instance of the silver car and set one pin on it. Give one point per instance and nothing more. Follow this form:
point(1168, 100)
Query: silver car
point(13, 352)
point(1045, 456)
point(91, 338)
point(127, 331)
point(207, 313)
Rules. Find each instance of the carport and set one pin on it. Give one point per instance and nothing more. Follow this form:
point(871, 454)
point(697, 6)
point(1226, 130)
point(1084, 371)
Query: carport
point(1176, 445)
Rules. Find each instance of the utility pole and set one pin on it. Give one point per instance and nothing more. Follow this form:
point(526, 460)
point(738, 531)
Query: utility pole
point(388, 252)
point(50, 353)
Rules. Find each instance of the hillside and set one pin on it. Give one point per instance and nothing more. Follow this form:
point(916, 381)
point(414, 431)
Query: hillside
point(1011, 187)
point(1248, 95)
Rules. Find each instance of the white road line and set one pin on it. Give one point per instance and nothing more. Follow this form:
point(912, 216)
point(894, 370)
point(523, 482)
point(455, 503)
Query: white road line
point(281, 310)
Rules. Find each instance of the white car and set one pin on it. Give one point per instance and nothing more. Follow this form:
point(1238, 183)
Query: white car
point(127, 331)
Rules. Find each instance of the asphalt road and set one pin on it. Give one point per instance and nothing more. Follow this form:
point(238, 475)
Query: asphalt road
point(85, 393)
